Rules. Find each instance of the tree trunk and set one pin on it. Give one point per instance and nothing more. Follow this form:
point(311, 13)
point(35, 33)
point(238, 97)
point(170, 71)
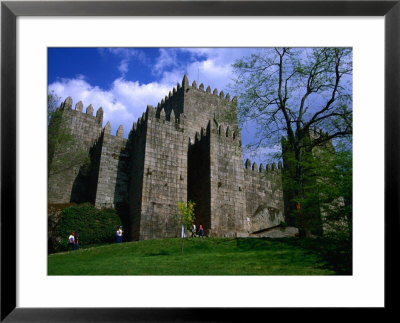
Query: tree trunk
point(303, 216)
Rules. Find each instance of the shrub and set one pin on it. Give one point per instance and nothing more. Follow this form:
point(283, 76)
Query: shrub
point(283, 224)
point(93, 225)
point(54, 212)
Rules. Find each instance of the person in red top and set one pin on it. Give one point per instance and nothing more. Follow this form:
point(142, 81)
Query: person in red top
point(201, 231)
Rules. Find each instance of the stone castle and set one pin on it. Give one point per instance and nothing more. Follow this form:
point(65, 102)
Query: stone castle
point(183, 149)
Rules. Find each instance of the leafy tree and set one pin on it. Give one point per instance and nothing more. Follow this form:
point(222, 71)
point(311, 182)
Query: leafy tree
point(288, 92)
point(334, 179)
point(327, 203)
point(64, 152)
point(185, 216)
point(52, 105)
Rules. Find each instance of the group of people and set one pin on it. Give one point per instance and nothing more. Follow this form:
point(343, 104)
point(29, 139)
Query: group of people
point(201, 231)
point(73, 241)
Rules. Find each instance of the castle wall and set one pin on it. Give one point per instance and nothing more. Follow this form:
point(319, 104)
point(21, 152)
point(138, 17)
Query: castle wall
point(112, 182)
point(199, 180)
point(264, 196)
point(228, 205)
point(172, 102)
point(137, 146)
point(201, 105)
point(70, 185)
point(175, 152)
point(95, 158)
point(165, 176)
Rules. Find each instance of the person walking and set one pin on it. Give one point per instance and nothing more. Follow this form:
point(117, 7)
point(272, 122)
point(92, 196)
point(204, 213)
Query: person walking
point(76, 242)
point(119, 235)
point(71, 241)
point(193, 230)
point(201, 231)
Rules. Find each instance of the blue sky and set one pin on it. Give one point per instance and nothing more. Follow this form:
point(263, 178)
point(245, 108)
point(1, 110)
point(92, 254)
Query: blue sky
point(123, 81)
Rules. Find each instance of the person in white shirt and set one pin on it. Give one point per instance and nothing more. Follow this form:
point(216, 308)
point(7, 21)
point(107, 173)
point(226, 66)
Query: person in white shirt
point(71, 241)
point(119, 235)
point(193, 230)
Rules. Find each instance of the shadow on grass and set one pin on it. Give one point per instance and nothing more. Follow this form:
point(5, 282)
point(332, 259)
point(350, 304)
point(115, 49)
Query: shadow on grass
point(336, 254)
point(160, 253)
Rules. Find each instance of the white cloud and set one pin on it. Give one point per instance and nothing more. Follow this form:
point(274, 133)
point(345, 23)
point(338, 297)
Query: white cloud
point(123, 103)
point(166, 59)
point(213, 66)
point(125, 55)
point(123, 66)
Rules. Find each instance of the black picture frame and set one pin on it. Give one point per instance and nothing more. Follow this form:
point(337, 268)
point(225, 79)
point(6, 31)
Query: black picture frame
point(10, 10)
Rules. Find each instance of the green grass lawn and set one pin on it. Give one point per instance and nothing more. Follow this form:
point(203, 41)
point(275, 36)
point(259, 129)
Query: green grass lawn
point(208, 256)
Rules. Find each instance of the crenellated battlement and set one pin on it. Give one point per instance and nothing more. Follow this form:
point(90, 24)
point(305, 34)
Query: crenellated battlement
point(175, 99)
point(221, 94)
point(220, 131)
point(224, 131)
point(161, 115)
point(269, 168)
point(67, 106)
point(317, 133)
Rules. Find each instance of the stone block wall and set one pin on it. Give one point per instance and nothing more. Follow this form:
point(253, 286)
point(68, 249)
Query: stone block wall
point(95, 157)
point(67, 186)
point(137, 147)
point(201, 105)
point(172, 102)
point(165, 176)
point(264, 196)
point(112, 181)
point(199, 180)
point(228, 205)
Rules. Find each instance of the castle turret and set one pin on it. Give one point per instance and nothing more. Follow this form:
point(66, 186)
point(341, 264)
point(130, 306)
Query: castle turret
point(99, 116)
point(185, 82)
point(107, 128)
point(67, 105)
point(79, 106)
point(120, 132)
point(89, 110)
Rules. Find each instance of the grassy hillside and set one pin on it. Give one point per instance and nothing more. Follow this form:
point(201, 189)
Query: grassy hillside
point(209, 256)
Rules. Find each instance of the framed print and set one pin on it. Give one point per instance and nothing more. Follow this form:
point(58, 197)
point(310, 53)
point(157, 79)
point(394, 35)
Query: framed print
point(24, 43)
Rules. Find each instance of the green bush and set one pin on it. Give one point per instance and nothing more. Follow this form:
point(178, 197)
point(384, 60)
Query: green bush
point(283, 224)
point(93, 225)
point(54, 212)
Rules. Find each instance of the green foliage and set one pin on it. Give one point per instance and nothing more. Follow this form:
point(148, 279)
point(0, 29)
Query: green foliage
point(52, 102)
point(54, 212)
point(93, 225)
point(64, 151)
point(283, 224)
point(327, 185)
point(185, 214)
point(287, 92)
